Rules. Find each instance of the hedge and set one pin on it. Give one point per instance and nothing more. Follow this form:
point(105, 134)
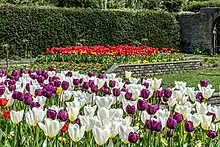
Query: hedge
point(38, 28)
point(196, 5)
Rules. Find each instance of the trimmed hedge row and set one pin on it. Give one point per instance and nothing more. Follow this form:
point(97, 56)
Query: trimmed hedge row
point(196, 5)
point(37, 28)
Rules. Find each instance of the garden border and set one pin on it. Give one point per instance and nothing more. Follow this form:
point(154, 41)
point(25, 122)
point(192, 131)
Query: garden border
point(150, 69)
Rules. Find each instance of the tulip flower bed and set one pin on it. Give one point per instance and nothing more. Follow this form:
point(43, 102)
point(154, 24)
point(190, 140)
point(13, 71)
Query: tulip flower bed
point(49, 108)
point(109, 54)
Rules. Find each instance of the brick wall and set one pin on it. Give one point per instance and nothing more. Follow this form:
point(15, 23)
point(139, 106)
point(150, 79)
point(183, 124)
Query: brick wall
point(155, 68)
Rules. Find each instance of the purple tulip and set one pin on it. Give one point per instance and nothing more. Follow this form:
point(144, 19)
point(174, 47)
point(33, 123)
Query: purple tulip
point(65, 85)
point(116, 92)
point(167, 93)
point(46, 75)
point(156, 126)
point(130, 109)
point(178, 117)
point(94, 88)
point(38, 92)
point(35, 105)
point(90, 74)
point(81, 80)
point(18, 95)
point(152, 109)
point(11, 82)
point(33, 76)
point(39, 72)
point(159, 94)
point(52, 114)
point(171, 123)
point(11, 87)
point(142, 104)
point(30, 71)
point(62, 115)
point(27, 87)
point(48, 87)
point(28, 100)
point(69, 74)
point(47, 94)
point(128, 95)
point(40, 79)
point(145, 93)
point(101, 76)
point(57, 83)
point(54, 90)
point(15, 73)
point(112, 83)
point(1, 74)
point(106, 91)
point(213, 116)
point(211, 134)
point(133, 137)
point(146, 84)
point(148, 124)
point(2, 90)
point(169, 133)
point(189, 126)
point(91, 83)
point(76, 82)
point(199, 96)
point(77, 121)
point(85, 85)
point(204, 83)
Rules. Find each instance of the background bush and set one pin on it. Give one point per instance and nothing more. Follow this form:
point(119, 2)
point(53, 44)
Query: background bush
point(36, 28)
point(196, 5)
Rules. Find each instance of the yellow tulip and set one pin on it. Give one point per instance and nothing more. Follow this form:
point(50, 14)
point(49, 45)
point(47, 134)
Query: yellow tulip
point(59, 90)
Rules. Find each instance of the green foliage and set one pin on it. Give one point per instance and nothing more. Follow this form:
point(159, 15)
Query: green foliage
point(33, 29)
point(196, 5)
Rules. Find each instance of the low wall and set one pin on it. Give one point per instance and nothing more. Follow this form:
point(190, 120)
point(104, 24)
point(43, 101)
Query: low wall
point(155, 68)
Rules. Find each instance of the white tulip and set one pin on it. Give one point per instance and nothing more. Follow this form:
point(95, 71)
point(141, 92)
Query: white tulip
point(207, 92)
point(163, 115)
point(73, 112)
point(114, 128)
point(195, 118)
point(51, 127)
point(101, 135)
point(105, 114)
point(76, 132)
point(144, 116)
point(171, 102)
point(201, 108)
point(89, 110)
point(34, 116)
point(134, 80)
point(111, 76)
point(206, 121)
point(16, 116)
point(104, 101)
point(89, 122)
point(65, 96)
point(128, 74)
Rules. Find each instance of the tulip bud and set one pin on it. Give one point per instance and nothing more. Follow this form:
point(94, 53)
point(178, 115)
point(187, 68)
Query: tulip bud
point(199, 96)
point(65, 85)
point(57, 83)
point(167, 93)
point(90, 74)
point(6, 114)
point(52, 114)
point(116, 92)
point(159, 94)
point(152, 109)
point(145, 93)
point(204, 83)
point(169, 133)
point(189, 126)
point(112, 83)
point(2, 90)
point(142, 105)
point(101, 76)
point(130, 109)
point(94, 88)
point(146, 84)
point(35, 104)
point(156, 126)
point(133, 137)
point(178, 117)
point(148, 124)
point(62, 115)
point(64, 129)
point(3, 101)
point(211, 134)
point(17, 95)
point(76, 82)
point(171, 123)
point(128, 95)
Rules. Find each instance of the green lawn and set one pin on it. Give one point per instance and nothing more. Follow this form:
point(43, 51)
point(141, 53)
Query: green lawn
point(193, 78)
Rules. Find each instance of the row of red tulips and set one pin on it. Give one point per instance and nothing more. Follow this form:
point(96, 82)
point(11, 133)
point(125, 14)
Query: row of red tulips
point(120, 50)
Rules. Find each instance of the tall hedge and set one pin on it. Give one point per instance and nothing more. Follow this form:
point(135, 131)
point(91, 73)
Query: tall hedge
point(38, 28)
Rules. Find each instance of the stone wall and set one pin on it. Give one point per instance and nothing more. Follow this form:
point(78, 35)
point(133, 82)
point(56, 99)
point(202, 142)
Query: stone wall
point(149, 69)
point(196, 29)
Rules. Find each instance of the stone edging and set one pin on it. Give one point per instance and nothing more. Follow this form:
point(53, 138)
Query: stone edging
point(155, 68)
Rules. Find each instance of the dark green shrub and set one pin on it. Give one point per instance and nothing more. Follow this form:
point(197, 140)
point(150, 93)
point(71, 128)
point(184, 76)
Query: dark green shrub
point(33, 29)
